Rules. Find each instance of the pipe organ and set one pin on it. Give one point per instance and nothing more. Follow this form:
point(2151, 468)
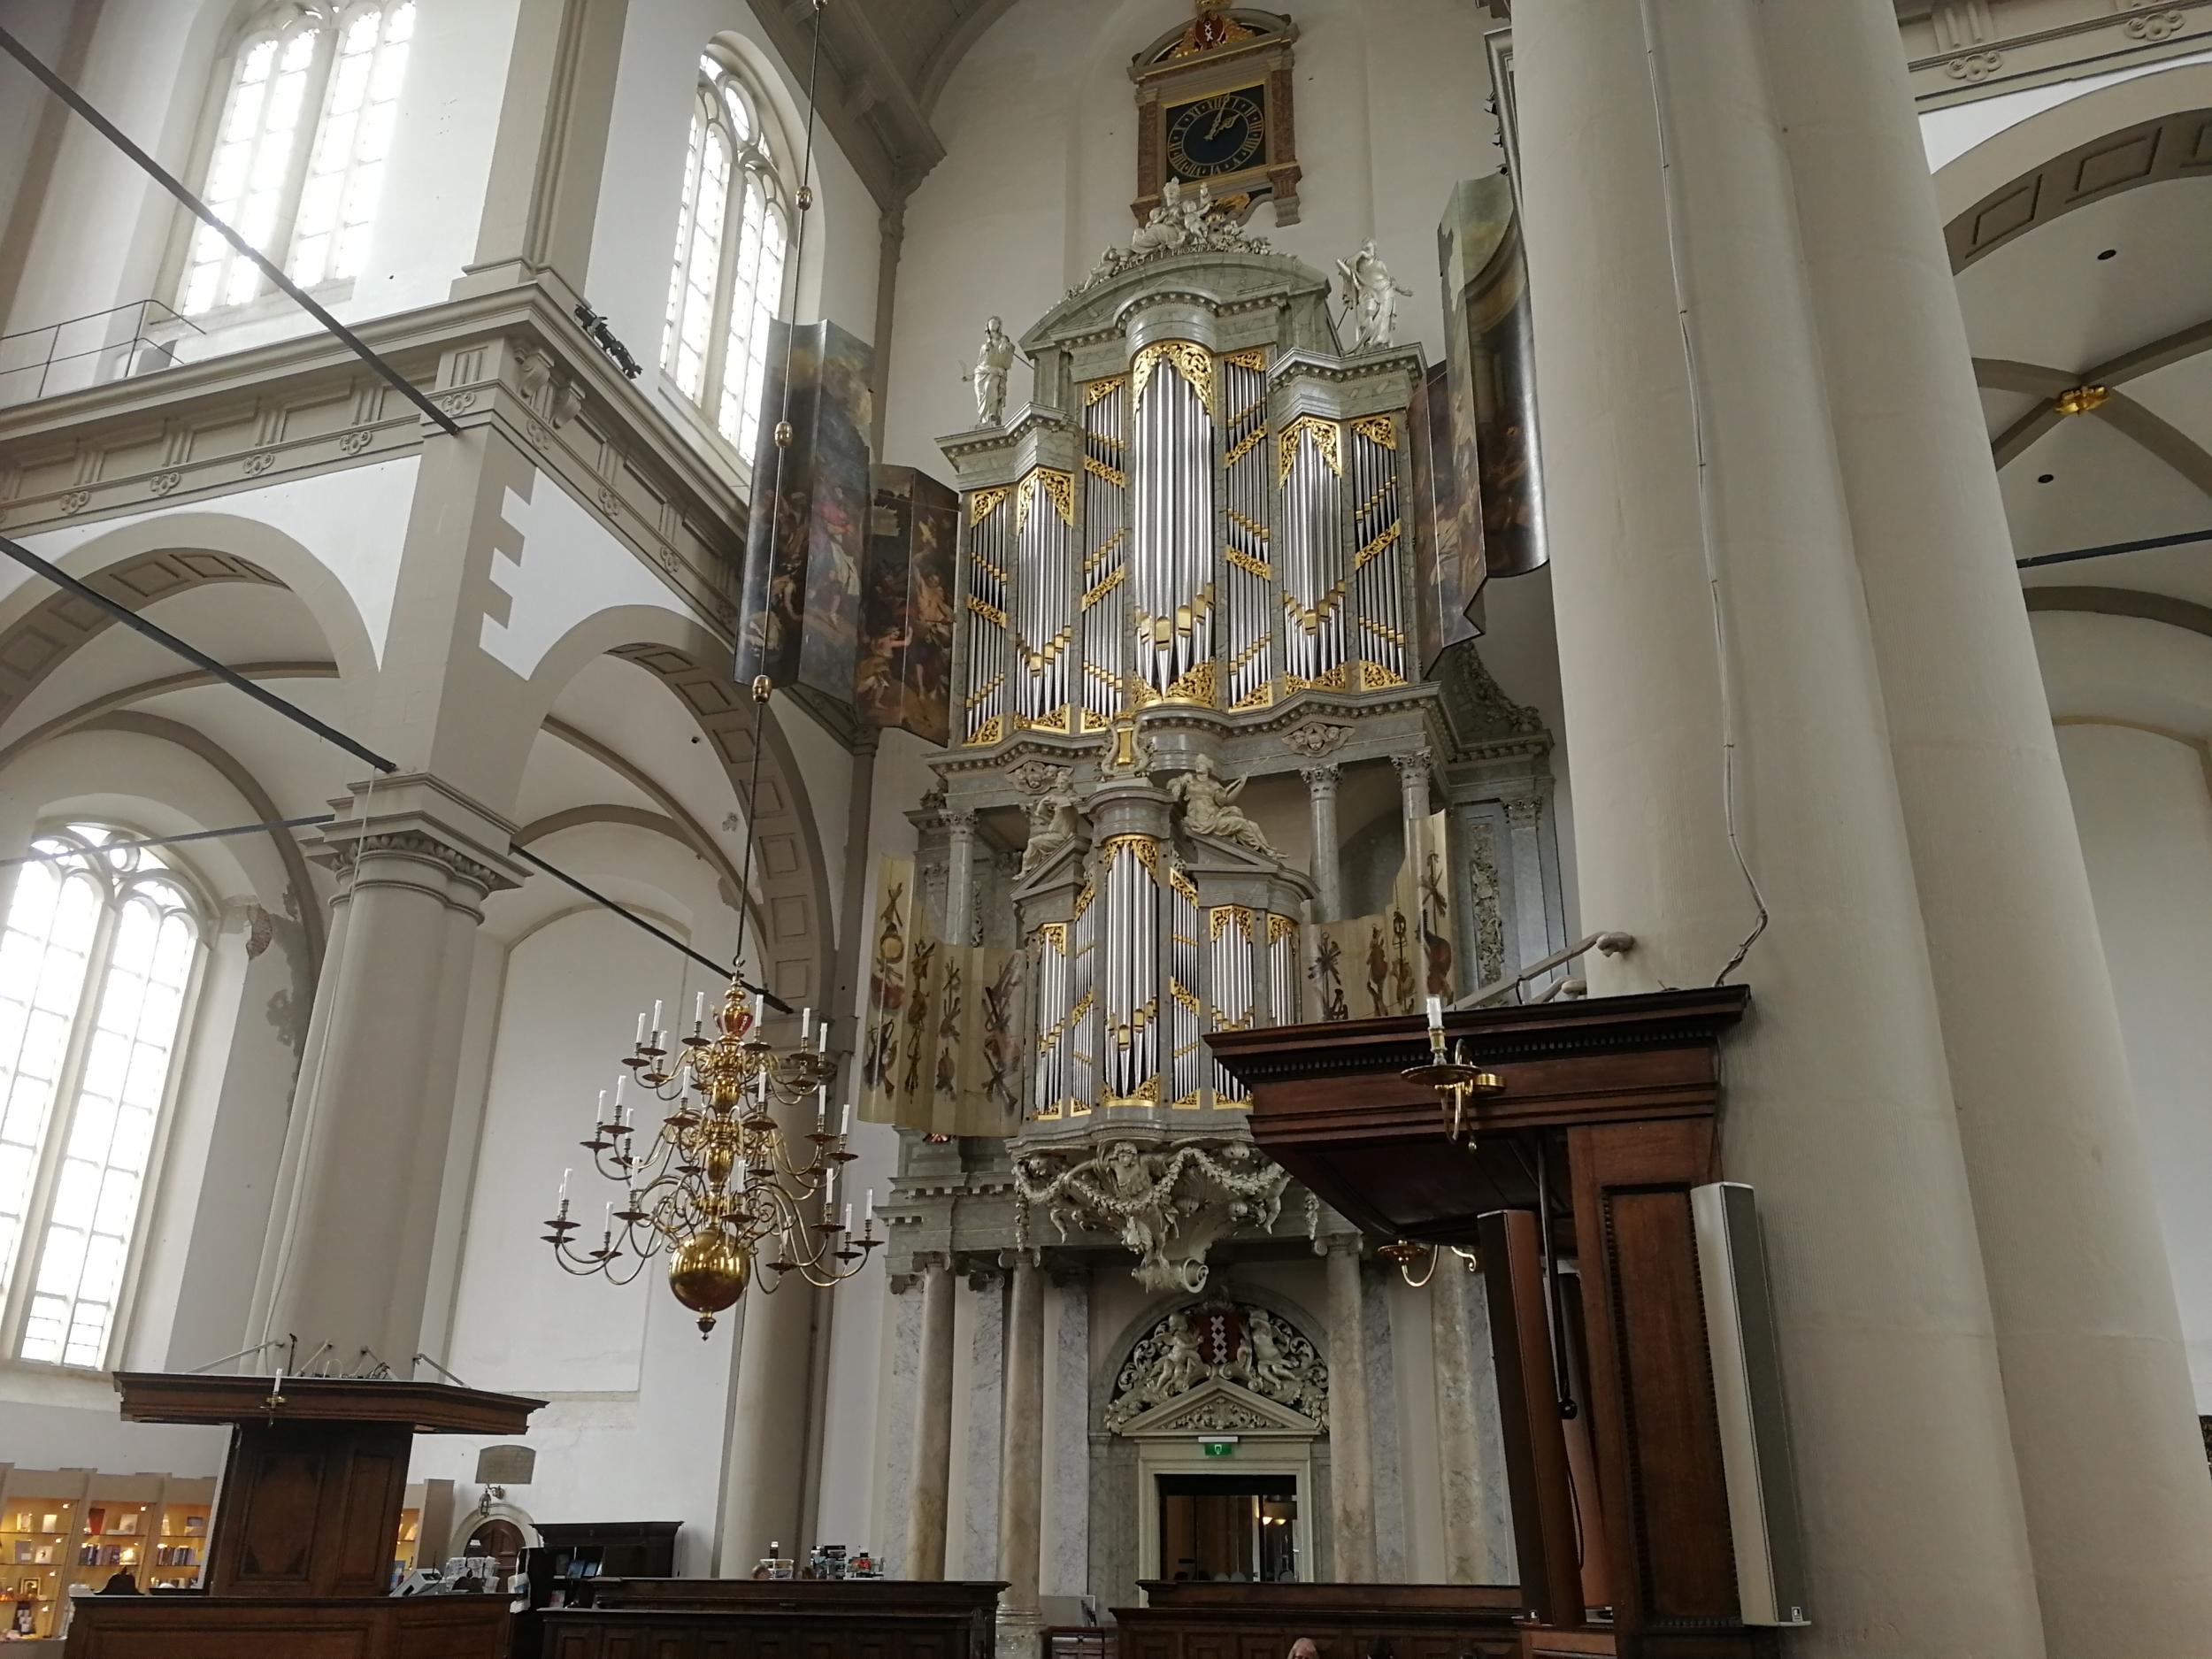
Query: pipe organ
point(1198, 520)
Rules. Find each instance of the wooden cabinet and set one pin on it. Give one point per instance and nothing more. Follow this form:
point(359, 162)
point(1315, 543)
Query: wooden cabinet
point(743, 1618)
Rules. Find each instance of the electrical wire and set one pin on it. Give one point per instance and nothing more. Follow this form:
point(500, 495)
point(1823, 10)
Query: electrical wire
point(311, 820)
point(1704, 496)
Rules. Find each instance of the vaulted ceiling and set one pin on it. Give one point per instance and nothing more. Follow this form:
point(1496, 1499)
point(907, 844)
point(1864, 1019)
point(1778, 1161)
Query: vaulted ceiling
point(884, 65)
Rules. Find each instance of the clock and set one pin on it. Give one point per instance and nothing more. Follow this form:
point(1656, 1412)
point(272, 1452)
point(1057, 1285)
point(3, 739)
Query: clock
point(1215, 105)
point(1212, 137)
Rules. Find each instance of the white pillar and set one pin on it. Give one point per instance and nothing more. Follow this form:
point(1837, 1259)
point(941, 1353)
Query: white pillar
point(1477, 1541)
point(2096, 1382)
point(1351, 1457)
point(1327, 863)
point(930, 1487)
point(1839, 1105)
point(1413, 802)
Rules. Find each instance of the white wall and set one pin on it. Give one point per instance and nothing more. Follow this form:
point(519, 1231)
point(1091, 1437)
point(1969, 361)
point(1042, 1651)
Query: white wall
point(1039, 127)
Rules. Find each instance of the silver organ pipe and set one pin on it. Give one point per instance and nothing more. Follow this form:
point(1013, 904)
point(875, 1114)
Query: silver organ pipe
point(989, 653)
point(1172, 510)
point(1284, 979)
point(1309, 473)
point(1229, 928)
point(1053, 977)
point(1378, 559)
point(1105, 565)
point(1082, 1039)
point(1044, 523)
point(1248, 577)
point(1131, 962)
point(1188, 1063)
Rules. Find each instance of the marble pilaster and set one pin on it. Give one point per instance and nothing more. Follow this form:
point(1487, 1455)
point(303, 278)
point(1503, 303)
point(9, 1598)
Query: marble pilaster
point(1415, 769)
point(929, 1491)
point(1066, 1569)
point(979, 1541)
point(1477, 1524)
point(1351, 1462)
point(1021, 1459)
point(1385, 1466)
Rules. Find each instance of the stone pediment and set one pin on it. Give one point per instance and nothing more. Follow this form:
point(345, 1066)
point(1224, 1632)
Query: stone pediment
point(1222, 280)
point(1221, 1407)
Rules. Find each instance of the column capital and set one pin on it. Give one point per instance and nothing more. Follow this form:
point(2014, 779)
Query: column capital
point(1415, 766)
point(1321, 776)
point(416, 818)
point(1524, 811)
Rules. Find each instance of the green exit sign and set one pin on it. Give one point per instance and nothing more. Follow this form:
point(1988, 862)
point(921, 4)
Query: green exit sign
point(1219, 1448)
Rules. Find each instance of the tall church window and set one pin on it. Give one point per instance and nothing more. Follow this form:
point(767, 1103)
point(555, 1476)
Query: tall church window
point(728, 275)
point(96, 958)
point(296, 164)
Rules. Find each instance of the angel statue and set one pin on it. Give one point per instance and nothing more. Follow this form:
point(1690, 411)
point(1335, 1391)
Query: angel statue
point(995, 357)
point(1205, 800)
point(1051, 824)
point(1371, 298)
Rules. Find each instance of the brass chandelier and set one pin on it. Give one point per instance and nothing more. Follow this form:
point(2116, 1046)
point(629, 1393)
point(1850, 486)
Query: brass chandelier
point(719, 1184)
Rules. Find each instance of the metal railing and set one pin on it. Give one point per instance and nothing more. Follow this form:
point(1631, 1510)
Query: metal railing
point(1570, 987)
point(33, 364)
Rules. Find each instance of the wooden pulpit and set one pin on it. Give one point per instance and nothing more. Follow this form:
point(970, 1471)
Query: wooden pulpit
point(1584, 1160)
point(300, 1550)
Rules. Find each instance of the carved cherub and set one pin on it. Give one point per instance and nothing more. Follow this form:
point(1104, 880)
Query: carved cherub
point(1052, 824)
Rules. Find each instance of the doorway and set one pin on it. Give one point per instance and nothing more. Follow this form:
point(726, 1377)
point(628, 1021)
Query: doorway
point(1237, 1528)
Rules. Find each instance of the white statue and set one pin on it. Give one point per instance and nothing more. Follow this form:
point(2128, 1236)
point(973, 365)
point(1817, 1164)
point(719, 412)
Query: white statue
point(1206, 810)
point(992, 361)
point(1176, 223)
point(1051, 822)
point(1370, 297)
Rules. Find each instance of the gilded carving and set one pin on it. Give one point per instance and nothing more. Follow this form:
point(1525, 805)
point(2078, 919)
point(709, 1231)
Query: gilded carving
point(1186, 358)
point(1327, 440)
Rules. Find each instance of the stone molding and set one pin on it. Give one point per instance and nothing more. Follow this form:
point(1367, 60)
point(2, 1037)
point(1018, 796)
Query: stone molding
point(510, 361)
point(1959, 51)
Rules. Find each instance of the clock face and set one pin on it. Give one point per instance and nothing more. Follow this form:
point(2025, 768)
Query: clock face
point(1224, 133)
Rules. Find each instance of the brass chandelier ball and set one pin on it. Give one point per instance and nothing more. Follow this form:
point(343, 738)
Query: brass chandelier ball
point(707, 1272)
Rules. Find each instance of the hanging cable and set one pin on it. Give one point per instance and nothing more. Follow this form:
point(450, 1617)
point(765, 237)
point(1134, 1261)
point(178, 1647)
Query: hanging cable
point(308, 822)
point(1704, 498)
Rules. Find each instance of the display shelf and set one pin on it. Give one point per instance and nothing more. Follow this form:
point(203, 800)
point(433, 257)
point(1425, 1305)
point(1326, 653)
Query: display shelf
point(36, 1545)
point(407, 1546)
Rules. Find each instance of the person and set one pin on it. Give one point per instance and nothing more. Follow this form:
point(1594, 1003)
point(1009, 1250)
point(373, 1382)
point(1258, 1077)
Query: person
point(121, 1583)
point(1304, 1648)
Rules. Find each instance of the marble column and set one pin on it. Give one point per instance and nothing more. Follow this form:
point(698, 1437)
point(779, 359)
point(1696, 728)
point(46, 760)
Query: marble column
point(1473, 1551)
point(1413, 802)
point(1351, 1460)
point(1328, 863)
point(1022, 1464)
point(1684, 474)
point(349, 1258)
point(929, 1489)
point(959, 877)
point(2096, 1383)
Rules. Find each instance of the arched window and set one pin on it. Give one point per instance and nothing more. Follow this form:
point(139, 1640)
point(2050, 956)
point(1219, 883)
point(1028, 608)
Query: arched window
point(96, 957)
point(729, 266)
point(297, 159)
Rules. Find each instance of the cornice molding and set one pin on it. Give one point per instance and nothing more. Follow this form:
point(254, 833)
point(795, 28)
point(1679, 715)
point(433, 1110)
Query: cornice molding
point(510, 360)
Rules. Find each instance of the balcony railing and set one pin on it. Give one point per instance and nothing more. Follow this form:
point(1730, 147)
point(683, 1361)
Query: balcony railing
point(139, 338)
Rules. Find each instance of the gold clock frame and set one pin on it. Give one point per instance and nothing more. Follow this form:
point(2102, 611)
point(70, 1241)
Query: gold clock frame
point(1254, 53)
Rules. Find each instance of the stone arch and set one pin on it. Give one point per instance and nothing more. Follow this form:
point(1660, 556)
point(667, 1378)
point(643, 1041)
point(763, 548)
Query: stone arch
point(2140, 131)
point(794, 943)
point(141, 564)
